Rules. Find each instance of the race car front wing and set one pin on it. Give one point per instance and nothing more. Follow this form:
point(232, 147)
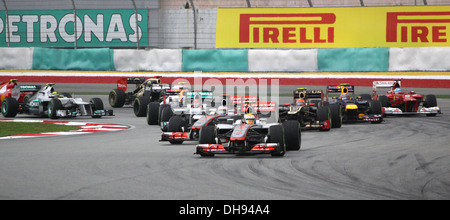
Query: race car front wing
point(261, 148)
point(423, 110)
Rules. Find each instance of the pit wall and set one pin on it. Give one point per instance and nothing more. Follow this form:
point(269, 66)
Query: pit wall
point(239, 60)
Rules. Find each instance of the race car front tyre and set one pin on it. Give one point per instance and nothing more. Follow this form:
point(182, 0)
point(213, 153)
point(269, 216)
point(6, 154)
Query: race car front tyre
point(53, 106)
point(207, 135)
point(152, 113)
point(293, 135)
point(276, 135)
point(176, 124)
point(140, 106)
point(166, 113)
point(324, 114)
point(117, 98)
point(10, 107)
point(376, 109)
point(97, 104)
point(430, 101)
point(336, 116)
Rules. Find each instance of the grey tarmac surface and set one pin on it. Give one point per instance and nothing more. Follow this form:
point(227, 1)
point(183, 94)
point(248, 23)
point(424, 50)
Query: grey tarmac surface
point(402, 158)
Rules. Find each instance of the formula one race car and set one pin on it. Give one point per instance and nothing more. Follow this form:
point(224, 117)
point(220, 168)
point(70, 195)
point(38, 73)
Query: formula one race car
point(310, 110)
point(33, 100)
point(397, 102)
point(147, 90)
point(180, 129)
point(185, 126)
point(251, 136)
point(354, 108)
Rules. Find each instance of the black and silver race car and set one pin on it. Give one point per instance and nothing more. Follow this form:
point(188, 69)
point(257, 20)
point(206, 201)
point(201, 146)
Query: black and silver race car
point(46, 102)
point(249, 136)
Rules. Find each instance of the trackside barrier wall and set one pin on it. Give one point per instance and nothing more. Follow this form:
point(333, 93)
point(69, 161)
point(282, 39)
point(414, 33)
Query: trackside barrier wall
point(68, 59)
point(419, 59)
point(282, 60)
point(253, 60)
point(16, 58)
point(215, 60)
point(148, 60)
point(354, 60)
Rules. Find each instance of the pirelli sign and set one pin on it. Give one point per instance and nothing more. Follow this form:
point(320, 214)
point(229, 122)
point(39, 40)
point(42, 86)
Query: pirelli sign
point(411, 26)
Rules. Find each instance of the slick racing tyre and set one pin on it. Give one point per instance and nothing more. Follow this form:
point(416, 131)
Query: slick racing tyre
point(53, 106)
point(176, 124)
point(384, 100)
point(324, 114)
point(10, 108)
point(376, 109)
point(97, 104)
point(140, 106)
point(292, 131)
point(207, 136)
point(117, 98)
point(336, 116)
point(276, 135)
point(152, 113)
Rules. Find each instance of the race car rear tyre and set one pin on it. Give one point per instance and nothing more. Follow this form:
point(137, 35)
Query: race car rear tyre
point(10, 107)
point(384, 100)
point(336, 116)
point(324, 114)
point(97, 104)
point(140, 106)
point(207, 135)
point(152, 113)
point(117, 98)
point(293, 135)
point(53, 106)
point(176, 124)
point(430, 101)
point(276, 135)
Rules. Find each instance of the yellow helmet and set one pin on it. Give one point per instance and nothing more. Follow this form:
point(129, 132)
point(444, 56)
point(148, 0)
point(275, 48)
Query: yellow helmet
point(249, 119)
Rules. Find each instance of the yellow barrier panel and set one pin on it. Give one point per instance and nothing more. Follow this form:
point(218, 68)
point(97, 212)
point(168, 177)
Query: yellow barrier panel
point(404, 26)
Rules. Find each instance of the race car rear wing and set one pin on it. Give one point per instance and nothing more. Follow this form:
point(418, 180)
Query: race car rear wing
point(340, 88)
point(307, 94)
point(385, 84)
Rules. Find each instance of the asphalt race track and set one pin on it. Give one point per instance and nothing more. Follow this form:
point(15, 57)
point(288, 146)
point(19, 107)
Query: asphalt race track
point(402, 158)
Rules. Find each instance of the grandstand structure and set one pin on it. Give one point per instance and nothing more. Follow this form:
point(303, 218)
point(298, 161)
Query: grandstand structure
point(170, 24)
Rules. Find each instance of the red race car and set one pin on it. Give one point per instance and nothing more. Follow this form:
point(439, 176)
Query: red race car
point(398, 102)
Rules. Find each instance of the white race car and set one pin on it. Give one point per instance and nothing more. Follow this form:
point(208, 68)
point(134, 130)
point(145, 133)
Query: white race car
point(46, 102)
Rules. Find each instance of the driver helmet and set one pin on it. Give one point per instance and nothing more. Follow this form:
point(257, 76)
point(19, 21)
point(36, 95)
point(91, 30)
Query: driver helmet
point(397, 90)
point(249, 119)
point(300, 102)
point(344, 97)
point(222, 110)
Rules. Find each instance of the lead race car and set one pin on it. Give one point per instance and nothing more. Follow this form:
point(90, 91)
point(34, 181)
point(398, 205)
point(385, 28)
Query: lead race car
point(34, 100)
point(398, 102)
point(250, 135)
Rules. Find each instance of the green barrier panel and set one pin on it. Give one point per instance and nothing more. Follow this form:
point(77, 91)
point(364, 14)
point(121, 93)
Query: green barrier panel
point(354, 60)
point(215, 60)
point(101, 59)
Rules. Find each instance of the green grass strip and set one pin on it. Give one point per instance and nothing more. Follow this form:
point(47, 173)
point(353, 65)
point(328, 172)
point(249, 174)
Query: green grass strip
point(13, 128)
